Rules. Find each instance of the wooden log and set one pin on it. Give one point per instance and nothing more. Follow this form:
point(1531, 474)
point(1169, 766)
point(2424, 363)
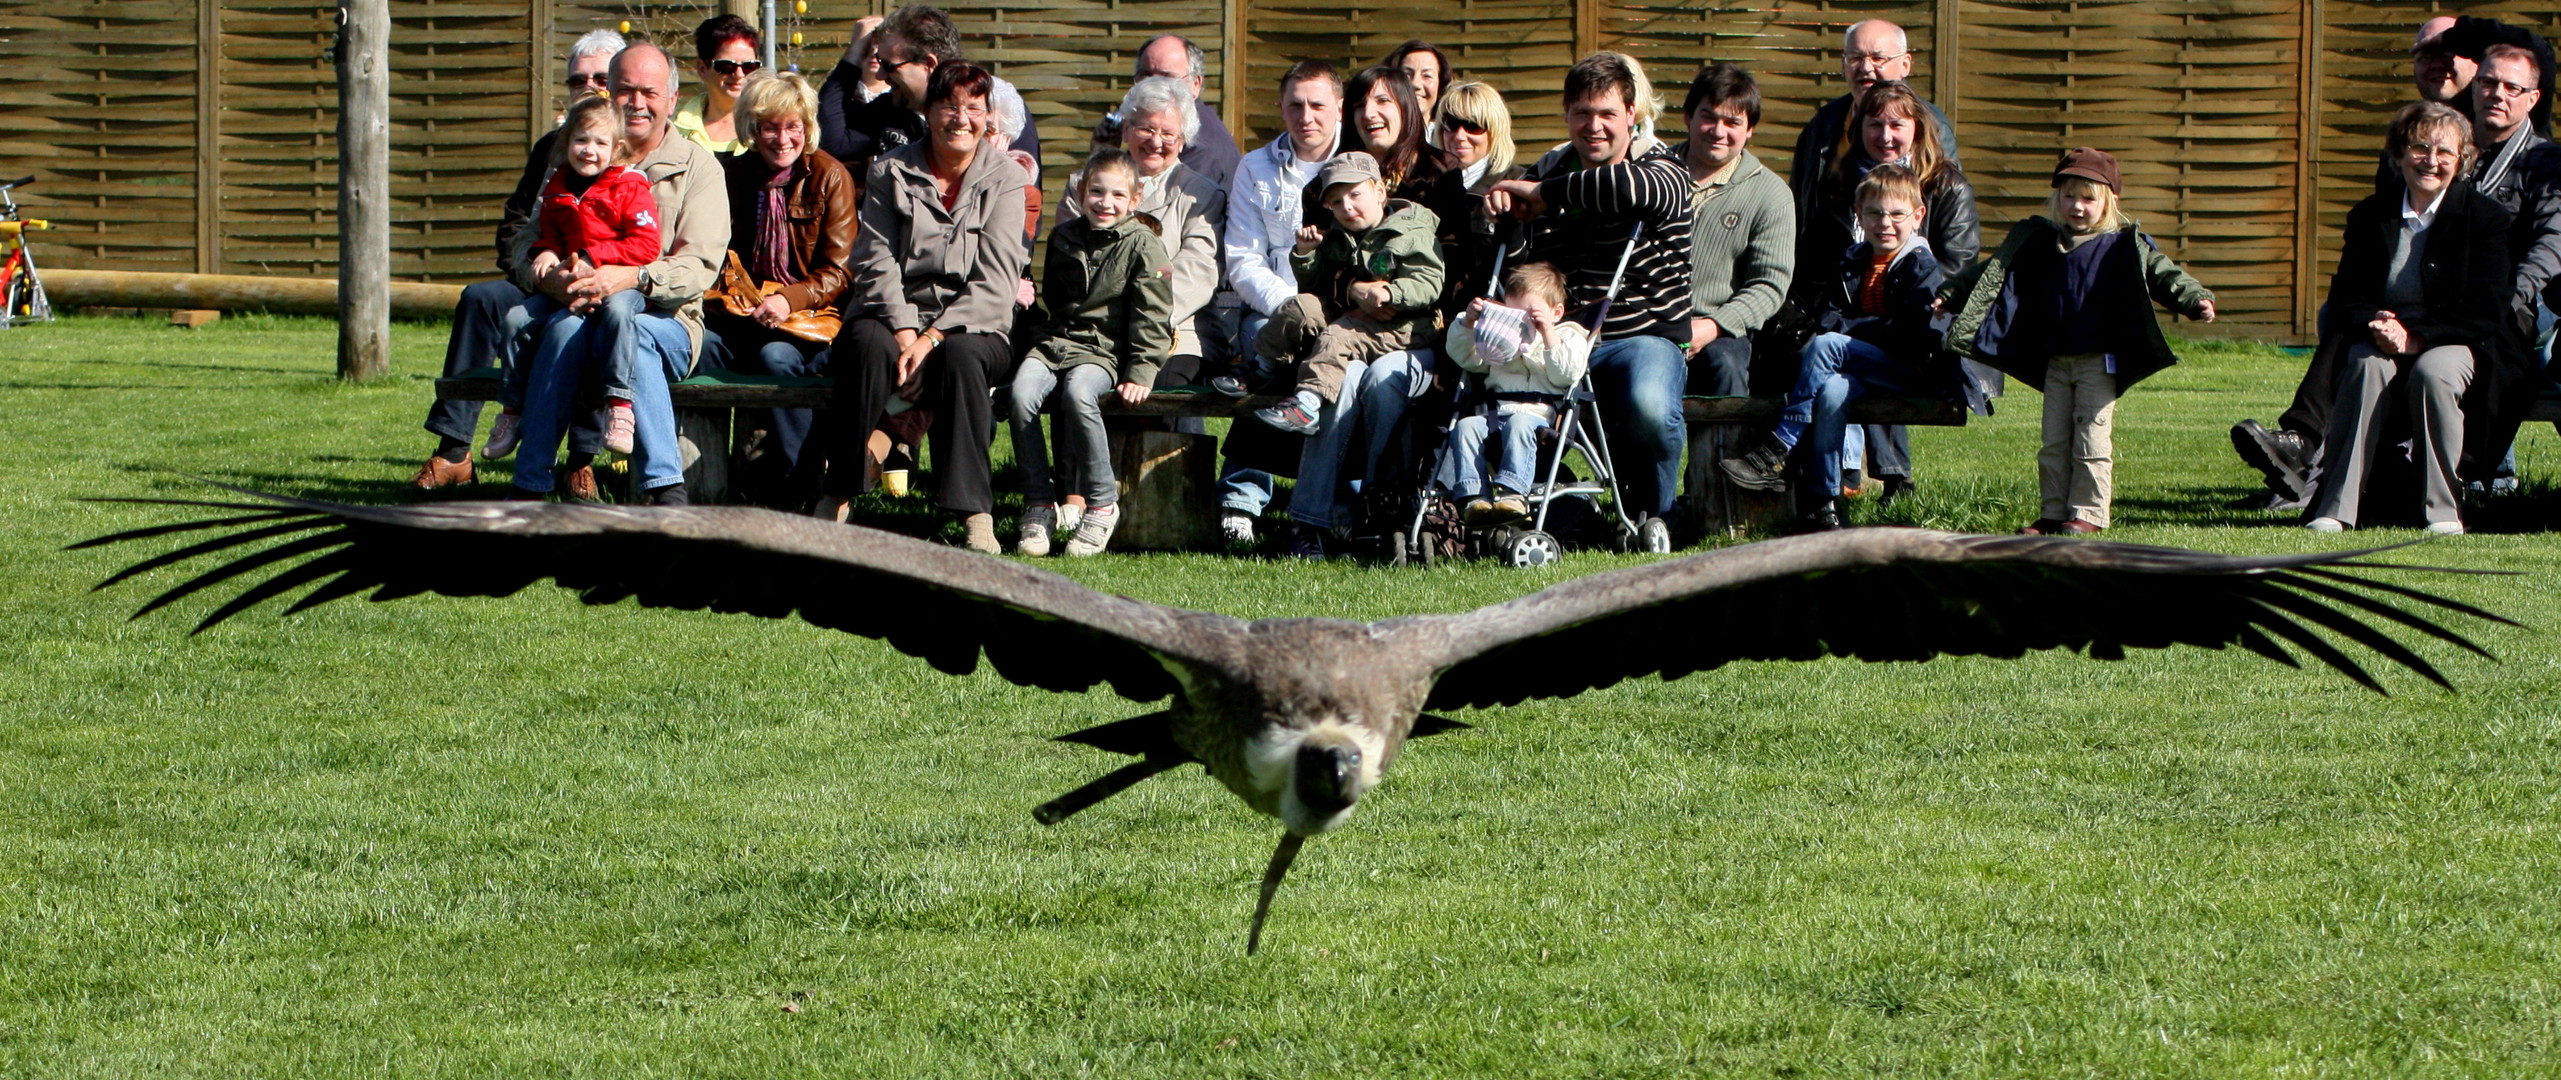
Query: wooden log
point(364, 189)
point(234, 292)
point(1167, 490)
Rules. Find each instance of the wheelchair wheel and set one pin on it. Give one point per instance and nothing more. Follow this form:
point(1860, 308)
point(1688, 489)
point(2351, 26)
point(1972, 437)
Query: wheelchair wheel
point(1530, 547)
point(1654, 536)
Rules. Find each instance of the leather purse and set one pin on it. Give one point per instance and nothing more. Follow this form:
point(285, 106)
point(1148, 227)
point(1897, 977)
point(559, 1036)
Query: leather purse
point(739, 293)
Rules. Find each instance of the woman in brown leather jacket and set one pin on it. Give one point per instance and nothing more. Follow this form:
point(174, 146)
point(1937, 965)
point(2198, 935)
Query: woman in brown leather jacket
point(792, 217)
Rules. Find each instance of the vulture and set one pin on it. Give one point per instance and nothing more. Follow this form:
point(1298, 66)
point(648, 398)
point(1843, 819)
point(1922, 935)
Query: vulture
point(1301, 717)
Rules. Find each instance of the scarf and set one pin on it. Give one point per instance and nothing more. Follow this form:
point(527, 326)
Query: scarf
point(770, 257)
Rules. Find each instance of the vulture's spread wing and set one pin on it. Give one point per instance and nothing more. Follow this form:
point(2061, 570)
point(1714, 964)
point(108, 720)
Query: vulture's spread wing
point(942, 604)
point(1902, 594)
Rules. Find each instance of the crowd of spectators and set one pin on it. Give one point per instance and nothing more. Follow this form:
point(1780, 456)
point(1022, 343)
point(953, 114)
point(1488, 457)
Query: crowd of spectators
point(876, 227)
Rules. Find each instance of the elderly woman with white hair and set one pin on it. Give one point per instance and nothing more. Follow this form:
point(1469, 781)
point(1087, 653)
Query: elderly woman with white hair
point(793, 211)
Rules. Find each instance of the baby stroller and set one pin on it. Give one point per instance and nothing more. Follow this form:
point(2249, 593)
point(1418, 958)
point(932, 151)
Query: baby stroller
point(1560, 495)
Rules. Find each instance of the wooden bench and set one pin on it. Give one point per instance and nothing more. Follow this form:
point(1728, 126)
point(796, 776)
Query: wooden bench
point(1168, 479)
point(1721, 425)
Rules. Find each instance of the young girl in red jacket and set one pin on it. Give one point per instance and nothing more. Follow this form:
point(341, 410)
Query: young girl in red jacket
point(595, 210)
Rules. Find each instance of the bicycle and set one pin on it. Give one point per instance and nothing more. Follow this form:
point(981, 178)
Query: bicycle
point(22, 296)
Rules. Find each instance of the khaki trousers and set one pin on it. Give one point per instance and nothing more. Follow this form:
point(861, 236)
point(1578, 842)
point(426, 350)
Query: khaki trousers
point(1298, 333)
point(2076, 471)
point(2435, 381)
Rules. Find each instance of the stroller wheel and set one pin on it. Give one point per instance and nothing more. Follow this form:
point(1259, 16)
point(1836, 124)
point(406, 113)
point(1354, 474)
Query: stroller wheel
point(1654, 536)
point(1529, 547)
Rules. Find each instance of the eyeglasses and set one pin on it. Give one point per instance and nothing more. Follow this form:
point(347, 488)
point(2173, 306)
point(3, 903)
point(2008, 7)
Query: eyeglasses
point(1890, 217)
point(1878, 59)
point(2419, 151)
point(598, 80)
point(970, 113)
point(888, 65)
point(733, 67)
point(1452, 123)
point(2501, 87)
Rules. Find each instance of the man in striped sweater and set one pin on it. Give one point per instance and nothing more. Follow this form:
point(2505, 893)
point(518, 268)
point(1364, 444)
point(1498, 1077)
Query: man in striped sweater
point(1581, 202)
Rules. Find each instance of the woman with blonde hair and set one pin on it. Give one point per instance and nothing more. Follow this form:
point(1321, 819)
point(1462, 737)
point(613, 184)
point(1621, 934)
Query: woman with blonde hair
point(1476, 128)
point(792, 214)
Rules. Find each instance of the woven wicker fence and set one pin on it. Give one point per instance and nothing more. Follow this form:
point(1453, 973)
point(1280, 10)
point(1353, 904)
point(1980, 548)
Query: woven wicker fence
point(149, 157)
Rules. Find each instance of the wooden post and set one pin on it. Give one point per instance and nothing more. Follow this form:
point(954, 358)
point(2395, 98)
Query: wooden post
point(208, 136)
point(1587, 28)
point(1943, 81)
point(364, 189)
point(1232, 73)
point(538, 84)
point(2307, 174)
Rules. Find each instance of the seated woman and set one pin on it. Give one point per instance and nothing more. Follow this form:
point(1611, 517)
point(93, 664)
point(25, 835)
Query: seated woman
point(1889, 124)
point(940, 248)
point(2420, 304)
point(792, 214)
point(725, 49)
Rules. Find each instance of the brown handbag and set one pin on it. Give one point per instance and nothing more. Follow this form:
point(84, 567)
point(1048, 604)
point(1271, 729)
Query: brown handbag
point(739, 294)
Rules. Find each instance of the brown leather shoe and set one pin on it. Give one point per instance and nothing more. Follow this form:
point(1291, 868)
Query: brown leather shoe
point(438, 472)
point(2041, 527)
point(579, 484)
point(2074, 527)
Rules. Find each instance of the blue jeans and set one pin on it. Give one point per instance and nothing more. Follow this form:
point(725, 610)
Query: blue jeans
point(1836, 369)
point(1246, 491)
point(646, 349)
point(1638, 381)
point(753, 350)
point(1463, 468)
point(1374, 398)
point(1074, 401)
point(487, 324)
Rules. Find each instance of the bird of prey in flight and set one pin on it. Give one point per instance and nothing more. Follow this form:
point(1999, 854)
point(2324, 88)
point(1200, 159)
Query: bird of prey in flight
point(1301, 717)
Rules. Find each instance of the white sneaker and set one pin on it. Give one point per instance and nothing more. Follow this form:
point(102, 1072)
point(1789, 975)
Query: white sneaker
point(1095, 532)
point(1070, 515)
point(1034, 538)
point(502, 436)
point(1237, 526)
point(2326, 525)
point(2445, 528)
point(618, 429)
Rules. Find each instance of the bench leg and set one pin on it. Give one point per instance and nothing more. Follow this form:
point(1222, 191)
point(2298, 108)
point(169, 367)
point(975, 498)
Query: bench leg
point(703, 435)
point(1717, 508)
point(1168, 490)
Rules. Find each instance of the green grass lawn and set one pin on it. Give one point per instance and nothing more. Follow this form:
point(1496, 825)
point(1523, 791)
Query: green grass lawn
point(521, 837)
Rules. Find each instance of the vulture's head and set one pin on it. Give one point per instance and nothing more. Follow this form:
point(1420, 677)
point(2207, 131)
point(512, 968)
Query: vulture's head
point(1319, 772)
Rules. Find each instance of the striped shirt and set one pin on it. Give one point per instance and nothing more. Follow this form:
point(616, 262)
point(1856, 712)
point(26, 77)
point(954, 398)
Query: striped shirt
point(1590, 212)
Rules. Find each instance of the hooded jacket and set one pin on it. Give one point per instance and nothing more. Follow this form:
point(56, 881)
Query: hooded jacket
point(1986, 298)
point(918, 266)
point(1949, 223)
point(613, 223)
point(1110, 298)
point(1191, 212)
point(1903, 329)
point(1401, 250)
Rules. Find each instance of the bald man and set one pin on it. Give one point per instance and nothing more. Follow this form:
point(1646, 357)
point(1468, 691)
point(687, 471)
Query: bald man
point(1872, 52)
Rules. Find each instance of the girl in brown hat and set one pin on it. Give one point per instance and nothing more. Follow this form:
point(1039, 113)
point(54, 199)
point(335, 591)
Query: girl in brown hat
point(2066, 305)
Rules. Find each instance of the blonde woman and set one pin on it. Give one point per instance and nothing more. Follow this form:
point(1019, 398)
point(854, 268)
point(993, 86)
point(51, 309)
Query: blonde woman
point(1476, 128)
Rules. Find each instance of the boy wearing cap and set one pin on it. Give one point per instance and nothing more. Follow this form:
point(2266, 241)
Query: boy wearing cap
point(2066, 305)
point(1531, 357)
point(1364, 290)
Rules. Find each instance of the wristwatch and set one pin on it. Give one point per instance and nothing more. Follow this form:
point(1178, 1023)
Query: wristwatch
point(646, 282)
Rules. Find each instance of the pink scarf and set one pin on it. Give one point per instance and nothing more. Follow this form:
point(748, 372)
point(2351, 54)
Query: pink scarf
point(769, 259)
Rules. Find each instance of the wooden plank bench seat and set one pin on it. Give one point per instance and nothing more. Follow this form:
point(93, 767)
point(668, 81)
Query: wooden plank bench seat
point(1169, 477)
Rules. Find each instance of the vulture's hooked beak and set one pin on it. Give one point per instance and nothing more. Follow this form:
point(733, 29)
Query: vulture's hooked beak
point(1327, 778)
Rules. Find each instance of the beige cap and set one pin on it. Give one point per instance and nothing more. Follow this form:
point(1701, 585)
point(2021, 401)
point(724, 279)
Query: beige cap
point(1350, 167)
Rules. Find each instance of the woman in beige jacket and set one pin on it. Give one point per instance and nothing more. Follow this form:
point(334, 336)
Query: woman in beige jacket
point(934, 271)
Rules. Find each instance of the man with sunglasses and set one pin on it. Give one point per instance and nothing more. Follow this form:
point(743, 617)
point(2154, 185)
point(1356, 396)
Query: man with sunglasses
point(856, 125)
point(482, 334)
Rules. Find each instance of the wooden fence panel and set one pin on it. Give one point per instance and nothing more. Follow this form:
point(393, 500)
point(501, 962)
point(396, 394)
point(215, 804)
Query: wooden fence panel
point(1793, 49)
point(98, 103)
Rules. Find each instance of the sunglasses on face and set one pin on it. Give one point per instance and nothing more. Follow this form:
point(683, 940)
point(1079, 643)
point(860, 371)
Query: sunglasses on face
point(733, 67)
point(581, 82)
point(1452, 123)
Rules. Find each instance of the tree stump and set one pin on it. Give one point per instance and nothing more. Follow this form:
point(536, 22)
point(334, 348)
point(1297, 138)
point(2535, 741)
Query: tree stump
point(1168, 490)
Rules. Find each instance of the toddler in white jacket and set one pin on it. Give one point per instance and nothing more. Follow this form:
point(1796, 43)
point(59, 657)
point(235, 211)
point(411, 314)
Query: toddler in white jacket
point(1531, 358)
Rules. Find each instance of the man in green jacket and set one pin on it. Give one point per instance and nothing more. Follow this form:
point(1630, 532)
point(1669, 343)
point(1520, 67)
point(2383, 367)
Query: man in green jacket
point(1364, 290)
point(1742, 231)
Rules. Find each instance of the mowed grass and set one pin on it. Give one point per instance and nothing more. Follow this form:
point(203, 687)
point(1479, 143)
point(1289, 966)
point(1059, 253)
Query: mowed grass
point(520, 837)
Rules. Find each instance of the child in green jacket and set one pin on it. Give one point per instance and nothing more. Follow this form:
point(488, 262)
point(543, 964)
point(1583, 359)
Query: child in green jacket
point(1364, 290)
point(1111, 308)
point(2066, 305)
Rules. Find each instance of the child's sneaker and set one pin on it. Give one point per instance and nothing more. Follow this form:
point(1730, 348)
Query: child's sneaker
point(2326, 525)
point(1307, 542)
point(1477, 508)
point(618, 428)
point(1237, 526)
point(1094, 533)
point(1289, 416)
point(1508, 507)
point(1070, 515)
point(1230, 386)
point(502, 436)
point(1034, 538)
point(1760, 467)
